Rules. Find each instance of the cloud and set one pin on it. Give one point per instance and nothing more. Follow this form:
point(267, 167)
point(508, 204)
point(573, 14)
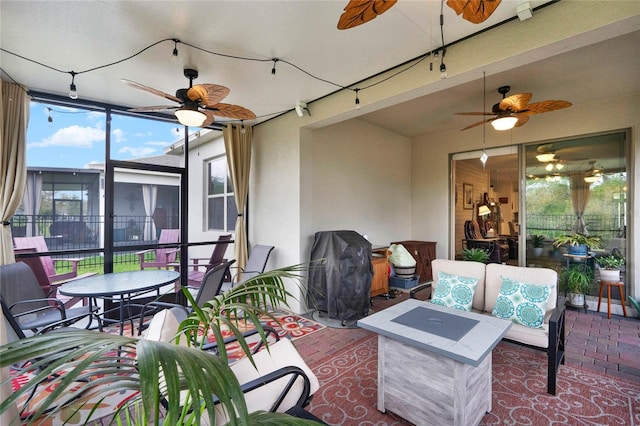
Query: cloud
point(136, 152)
point(143, 134)
point(118, 135)
point(158, 143)
point(73, 137)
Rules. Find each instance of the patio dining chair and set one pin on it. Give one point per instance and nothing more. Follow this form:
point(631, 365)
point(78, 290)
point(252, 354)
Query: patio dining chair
point(31, 310)
point(163, 257)
point(256, 264)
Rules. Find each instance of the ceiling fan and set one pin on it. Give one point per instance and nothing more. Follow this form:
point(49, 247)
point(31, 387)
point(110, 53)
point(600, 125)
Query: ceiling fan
point(199, 104)
point(358, 12)
point(515, 110)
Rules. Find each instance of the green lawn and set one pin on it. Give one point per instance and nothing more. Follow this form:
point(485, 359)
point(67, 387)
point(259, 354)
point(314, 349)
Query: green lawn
point(122, 263)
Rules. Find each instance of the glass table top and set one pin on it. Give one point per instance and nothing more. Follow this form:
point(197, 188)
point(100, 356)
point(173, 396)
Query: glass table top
point(119, 283)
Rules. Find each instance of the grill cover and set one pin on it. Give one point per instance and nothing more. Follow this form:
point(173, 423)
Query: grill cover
point(341, 284)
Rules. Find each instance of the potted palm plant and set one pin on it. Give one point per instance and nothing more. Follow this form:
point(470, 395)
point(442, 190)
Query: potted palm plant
point(536, 243)
point(193, 381)
point(577, 282)
point(610, 267)
point(578, 244)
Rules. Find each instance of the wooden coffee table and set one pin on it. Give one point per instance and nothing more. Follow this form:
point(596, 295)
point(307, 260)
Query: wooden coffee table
point(427, 376)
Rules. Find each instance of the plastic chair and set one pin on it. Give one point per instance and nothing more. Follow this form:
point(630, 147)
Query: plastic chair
point(163, 256)
point(24, 302)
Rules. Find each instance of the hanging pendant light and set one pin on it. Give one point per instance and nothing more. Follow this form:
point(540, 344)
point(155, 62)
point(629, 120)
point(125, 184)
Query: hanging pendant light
point(484, 157)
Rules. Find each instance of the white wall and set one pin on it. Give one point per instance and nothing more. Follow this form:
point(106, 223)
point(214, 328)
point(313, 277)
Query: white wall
point(361, 181)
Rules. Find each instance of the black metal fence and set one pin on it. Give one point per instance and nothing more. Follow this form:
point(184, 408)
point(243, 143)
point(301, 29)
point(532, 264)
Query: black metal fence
point(76, 232)
point(603, 226)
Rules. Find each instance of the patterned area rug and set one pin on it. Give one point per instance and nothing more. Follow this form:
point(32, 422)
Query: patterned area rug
point(287, 324)
point(348, 392)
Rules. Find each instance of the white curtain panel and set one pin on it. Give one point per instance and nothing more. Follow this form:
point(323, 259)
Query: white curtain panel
point(31, 202)
point(149, 198)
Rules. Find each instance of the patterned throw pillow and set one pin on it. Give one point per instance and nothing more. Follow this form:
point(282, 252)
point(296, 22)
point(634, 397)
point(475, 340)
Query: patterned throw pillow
point(522, 303)
point(454, 291)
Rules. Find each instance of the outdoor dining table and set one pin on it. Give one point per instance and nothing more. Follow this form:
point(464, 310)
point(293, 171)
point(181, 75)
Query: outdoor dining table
point(120, 286)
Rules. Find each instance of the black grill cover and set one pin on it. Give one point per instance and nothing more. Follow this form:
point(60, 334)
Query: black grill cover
point(341, 284)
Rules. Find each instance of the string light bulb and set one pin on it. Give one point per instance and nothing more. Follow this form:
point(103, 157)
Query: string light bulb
point(443, 71)
point(174, 54)
point(357, 99)
point(49, 118)
point(73, 92)
point(242, 128)
point(273, 70)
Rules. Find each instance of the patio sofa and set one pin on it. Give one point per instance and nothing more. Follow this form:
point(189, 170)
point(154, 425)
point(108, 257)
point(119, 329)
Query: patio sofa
point(549, 337)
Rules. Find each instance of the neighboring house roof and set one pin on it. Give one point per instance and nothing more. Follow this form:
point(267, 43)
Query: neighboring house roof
point(161, 160)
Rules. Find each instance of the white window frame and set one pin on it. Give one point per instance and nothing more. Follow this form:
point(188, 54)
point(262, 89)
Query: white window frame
point(227, 195)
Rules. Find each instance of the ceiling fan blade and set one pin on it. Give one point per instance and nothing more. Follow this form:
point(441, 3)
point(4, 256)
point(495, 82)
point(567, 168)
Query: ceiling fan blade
point(207, 94)
point(210, 118)
point(546, 106)
point(158, 108)
point(522, 119)
point(475, 11)
point(230, 111)
point(516, 103)
point(360, 11)
point(479, 123)
point(475, 113)
point(152, 90)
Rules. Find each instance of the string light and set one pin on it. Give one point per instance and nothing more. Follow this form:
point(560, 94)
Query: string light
point(357, 99)
point(49, 119)
point(242, 129)
point(73, 92)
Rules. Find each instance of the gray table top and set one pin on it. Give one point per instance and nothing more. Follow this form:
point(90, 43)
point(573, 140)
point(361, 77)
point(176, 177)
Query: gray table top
point(470, 349)
point(119, 283)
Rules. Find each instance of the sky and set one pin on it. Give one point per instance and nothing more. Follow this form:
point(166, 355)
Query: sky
point(75, 138)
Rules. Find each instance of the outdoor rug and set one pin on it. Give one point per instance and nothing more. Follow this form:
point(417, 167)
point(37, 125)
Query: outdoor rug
point(348, 392)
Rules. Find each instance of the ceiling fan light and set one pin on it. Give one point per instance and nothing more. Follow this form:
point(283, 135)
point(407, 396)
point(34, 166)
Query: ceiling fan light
point(504, 123)
point(190, 117)
point(593, 179)
point(545, 158)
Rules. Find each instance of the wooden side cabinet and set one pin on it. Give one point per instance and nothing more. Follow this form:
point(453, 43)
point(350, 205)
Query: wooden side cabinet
point(380, 280)
point(424, 252)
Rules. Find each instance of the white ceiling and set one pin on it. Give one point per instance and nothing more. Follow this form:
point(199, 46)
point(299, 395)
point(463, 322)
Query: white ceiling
point(77, 36)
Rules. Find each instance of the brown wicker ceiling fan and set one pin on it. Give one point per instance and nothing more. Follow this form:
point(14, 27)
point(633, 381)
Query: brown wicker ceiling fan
point(517, 108)
point(358, 12)
point(201, 102)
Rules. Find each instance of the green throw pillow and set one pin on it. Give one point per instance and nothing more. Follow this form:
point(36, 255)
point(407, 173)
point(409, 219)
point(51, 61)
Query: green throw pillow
point(454, 291)
point(522, 303)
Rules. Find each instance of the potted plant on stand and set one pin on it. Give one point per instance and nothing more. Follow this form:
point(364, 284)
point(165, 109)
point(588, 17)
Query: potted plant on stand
point(578, 244)
point(610, 268)
point(536, 242)
point(577, 282)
